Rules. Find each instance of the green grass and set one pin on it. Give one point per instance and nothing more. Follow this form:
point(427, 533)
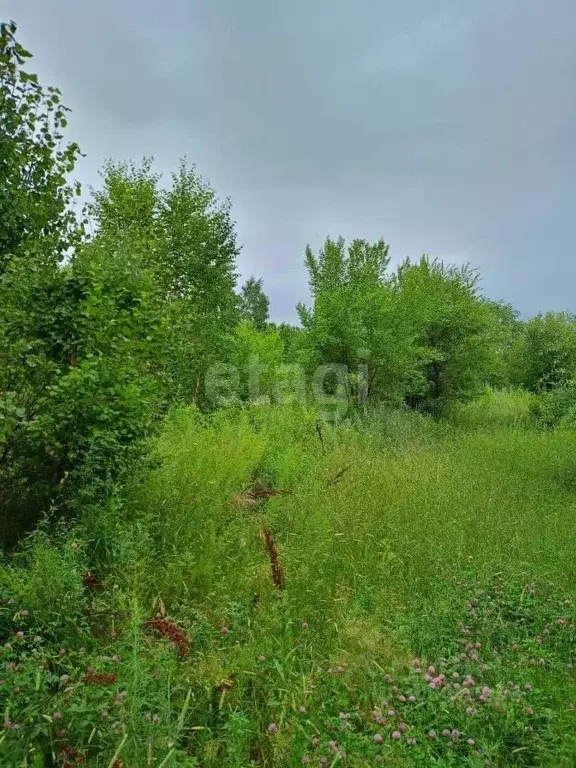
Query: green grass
point(400, 538)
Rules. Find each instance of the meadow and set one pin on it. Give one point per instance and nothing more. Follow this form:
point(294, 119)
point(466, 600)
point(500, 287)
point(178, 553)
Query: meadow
point(227, 542)
point(277, 591)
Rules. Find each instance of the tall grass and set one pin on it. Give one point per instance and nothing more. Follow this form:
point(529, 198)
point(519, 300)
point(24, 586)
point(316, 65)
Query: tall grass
point(391, 534)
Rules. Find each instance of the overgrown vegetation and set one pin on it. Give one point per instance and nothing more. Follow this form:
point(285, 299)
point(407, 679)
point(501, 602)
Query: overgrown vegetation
point(232, 543)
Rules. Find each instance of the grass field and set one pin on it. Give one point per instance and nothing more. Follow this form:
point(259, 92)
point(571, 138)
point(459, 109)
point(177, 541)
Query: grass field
point(407, 599)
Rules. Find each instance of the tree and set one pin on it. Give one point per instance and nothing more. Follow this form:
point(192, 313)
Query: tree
point(36, 298)
point(254, 304)
point(543, 357)
point(354, 321)
point(94, 350)
point(453, 330)
point(34, 195)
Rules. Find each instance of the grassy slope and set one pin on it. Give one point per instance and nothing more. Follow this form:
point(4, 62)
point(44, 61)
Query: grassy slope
point(433, 537)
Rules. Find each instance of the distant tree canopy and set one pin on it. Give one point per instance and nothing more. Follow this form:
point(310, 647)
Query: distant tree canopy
point(254, 304)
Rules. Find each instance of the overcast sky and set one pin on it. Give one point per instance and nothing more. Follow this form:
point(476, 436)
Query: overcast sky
point(447, 127)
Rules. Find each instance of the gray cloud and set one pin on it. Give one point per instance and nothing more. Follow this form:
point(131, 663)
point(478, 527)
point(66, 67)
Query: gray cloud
point(448, 127)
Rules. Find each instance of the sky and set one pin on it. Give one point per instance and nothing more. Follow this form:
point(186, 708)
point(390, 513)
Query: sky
point(446, 127)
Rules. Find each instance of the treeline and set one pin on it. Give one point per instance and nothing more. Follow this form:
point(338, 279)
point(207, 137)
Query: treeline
point(109, 318)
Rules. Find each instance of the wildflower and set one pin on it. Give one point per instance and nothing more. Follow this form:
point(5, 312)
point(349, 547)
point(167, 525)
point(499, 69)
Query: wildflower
point(486, 691)
point(37, 639)
point(395, 689)
point(542, 662)
point(57, 716)
point(378, 738)
point(224, 630)
point(431, 670)
point(304, 625)
point(411, 741)
point(415, 662)
point(402, 698)
point(82, 650)
point(305, 760)
point(156, 719)
point(402, 727)
point(456, 675)
point(471, 742)
point(75, 545)
point(24, 613)
point(8, 725)
point(64, 678)
point(333, 744)
point(315, 742)
point(411, 699)
point(62, 651)
point(387, 678)
point(455, 735)
point(432, 734)
point(302, 709)
point(391, 713)
point(120, 696)
point(20, 635)
point(396, 735)
point(170, 630)
point(470, 711)
point(474, 657)
point(445, 732)
point(323, 762)
point(116, 658)
point(272, 728)
point(528, 711)
point(261, 659)
point(105, 715)
point(528, 687)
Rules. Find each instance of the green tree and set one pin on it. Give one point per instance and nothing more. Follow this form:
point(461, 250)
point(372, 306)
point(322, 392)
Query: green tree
point(254, 304)
point(186, 237)
point(453, 330)
point(354, 319)
point(34, 163)
point(258, 357)
point(543, 357)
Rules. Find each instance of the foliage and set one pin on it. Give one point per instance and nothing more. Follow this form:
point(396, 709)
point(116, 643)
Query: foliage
point(354, 321)
point(254, 304)
point(95, 349)
point(327, 666)
point(34, 195)
point(453, 331)
point(544, 356)
point(258, 357)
